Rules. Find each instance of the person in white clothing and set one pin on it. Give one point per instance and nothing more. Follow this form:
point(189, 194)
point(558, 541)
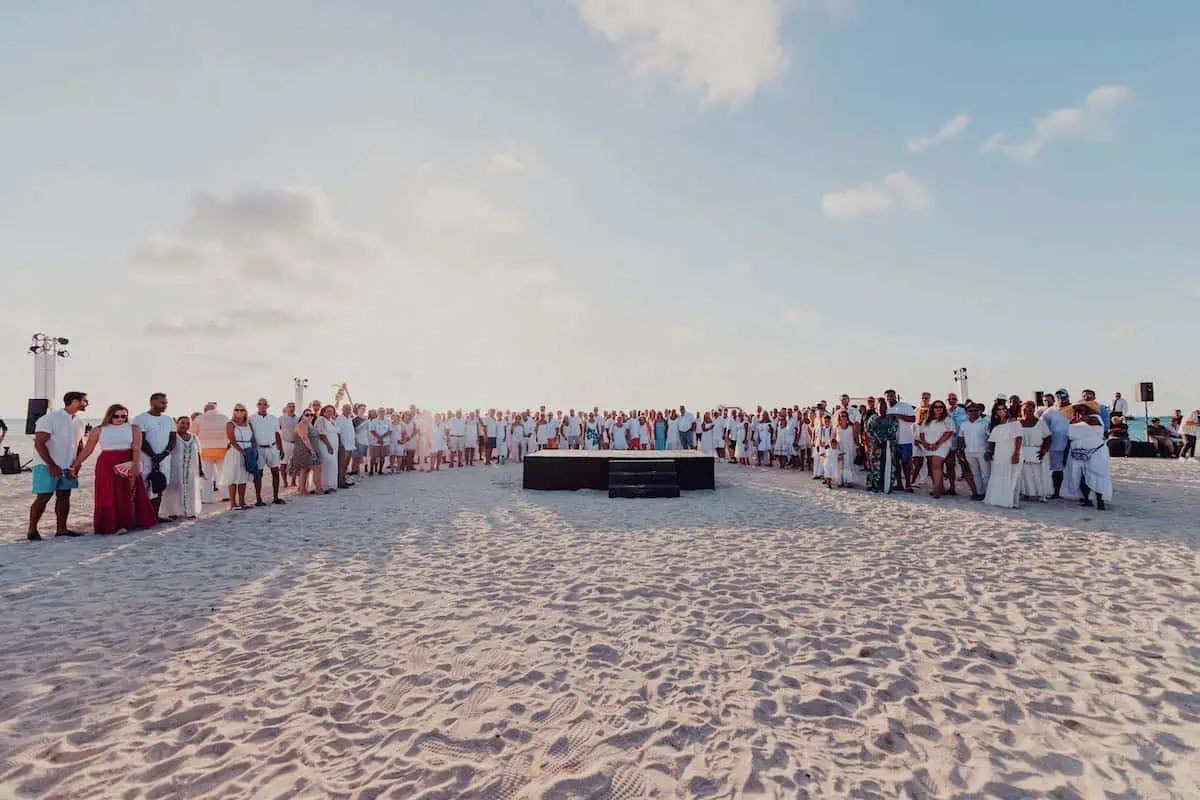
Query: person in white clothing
point(158, 440)
point(268, 439)
point(574, 431)
point(1036, 482)
point(973, 443)
point(1088, 470)
point(840, 469)
point(907, 416)
point(1005, 454)
point(347, 444)
point(56, 441)
point(1120, 406)
point(686, 424)
point(182, 498)
point(934, 440)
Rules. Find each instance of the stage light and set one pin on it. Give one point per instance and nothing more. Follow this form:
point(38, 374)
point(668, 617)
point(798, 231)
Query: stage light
point(62, 340)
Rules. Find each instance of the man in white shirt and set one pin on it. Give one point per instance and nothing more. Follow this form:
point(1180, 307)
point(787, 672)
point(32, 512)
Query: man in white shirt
point(491, 433)
point(268, 440)
point(457, 429)
point(287, 437)
point(158, 440)
point(907, 416)
point(362, 439)
point(972, 445)
point(347, 443)
point(686, 425)
point(720, 426)
point(574, 431)
point(56, 439)
point(1120, 406)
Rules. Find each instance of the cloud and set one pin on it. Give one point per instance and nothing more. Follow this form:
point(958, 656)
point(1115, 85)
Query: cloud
point(236, 322)
point(447, 209)
point(510, 160)
point(897, 190)
point(799, 316)
point(721, 50)
point(261, 234)
point(1088, 121)
point(949, 130)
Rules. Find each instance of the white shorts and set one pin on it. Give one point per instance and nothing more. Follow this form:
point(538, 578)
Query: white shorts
point(456, 443)
point(268, 457)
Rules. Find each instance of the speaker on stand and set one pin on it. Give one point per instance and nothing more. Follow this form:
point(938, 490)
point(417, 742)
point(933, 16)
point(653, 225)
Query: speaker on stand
point(37, 408)
point(1146, 395)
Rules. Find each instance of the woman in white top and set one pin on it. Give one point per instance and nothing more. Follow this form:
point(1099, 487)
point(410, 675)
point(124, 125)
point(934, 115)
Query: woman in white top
point(182, 497)
point(1088, 470)
point(233, 468)
point(327, 433)
point(840, 469)
point(821, 446)
point(934, 437)
point(673, 442)
point(1036, 481)
point(708, 439)
point(619, 432)
point(740, 434)
point(121, 501)
point(804, 443)
point(1005, 455)
point(765, 440)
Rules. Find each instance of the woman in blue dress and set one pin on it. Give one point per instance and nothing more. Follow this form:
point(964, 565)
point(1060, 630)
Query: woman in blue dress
point(660, 431)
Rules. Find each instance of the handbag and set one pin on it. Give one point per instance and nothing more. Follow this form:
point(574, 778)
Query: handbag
point(124, 470)
point(250, 458)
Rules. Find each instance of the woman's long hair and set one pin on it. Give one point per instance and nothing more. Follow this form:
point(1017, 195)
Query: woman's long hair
point(997, 406)
point(108, 414)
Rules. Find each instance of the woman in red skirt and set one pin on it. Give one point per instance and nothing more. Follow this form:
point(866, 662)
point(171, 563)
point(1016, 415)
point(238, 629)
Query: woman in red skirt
point(122, 504)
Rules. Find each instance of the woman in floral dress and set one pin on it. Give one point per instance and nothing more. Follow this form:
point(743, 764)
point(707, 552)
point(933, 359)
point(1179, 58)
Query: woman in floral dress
point(885, 472)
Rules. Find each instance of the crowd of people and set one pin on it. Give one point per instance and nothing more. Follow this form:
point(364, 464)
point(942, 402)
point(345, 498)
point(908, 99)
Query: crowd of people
point(153, 468)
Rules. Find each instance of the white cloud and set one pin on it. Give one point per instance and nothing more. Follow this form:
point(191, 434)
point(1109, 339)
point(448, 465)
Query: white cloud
point(722, 50)
point(444, 209)
point(510, 160)
point(261, 234)
point(949, 130)
point(799, 316)
point(897, 190)
point(1088, 121)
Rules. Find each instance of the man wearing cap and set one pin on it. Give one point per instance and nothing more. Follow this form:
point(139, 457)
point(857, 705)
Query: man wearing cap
point(1058, 420)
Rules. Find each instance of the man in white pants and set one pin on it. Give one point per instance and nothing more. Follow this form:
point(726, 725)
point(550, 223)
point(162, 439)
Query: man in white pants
point(973, 442)
point(269, 441)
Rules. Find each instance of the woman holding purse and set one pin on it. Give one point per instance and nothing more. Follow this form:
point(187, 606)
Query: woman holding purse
point(234, 470)
point(122, 504)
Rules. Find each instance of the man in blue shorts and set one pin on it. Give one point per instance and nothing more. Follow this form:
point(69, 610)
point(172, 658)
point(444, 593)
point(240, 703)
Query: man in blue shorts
point(56, 441)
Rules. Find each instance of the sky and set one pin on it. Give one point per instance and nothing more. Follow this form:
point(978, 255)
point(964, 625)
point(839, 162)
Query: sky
point(620, 203)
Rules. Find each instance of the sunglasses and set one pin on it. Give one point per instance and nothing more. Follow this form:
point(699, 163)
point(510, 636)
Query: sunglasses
point(120, 417)
point(307, 414)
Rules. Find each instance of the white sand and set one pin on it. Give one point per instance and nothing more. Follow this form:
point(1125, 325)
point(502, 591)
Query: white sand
point(451, 636)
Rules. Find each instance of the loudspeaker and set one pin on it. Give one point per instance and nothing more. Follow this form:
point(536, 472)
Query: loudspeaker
point(37, 409)
point(1146, 388)
point(1039, 397)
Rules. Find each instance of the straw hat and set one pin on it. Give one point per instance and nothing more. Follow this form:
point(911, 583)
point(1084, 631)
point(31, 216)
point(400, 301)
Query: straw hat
point(1091, 405)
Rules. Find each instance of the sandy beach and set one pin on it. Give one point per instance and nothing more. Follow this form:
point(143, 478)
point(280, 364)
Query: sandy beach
point(451, 636)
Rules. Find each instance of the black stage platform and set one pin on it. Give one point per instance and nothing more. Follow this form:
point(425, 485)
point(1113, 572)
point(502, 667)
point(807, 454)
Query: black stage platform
point(564, 470)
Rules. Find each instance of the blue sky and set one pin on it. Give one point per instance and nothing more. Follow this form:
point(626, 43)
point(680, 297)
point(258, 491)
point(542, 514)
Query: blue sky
point(604, 201)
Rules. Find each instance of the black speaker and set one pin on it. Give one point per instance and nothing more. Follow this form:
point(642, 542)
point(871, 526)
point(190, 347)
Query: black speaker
point(37, 410)
point(1146, 388)
point(1039, 397)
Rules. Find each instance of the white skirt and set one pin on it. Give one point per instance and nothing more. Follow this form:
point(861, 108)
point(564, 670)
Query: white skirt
point(1004, 484)
point(1036, 482)
point(233, 469)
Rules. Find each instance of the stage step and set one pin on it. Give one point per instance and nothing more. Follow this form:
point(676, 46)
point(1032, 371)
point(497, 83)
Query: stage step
point(643, 491)
point(642, 478)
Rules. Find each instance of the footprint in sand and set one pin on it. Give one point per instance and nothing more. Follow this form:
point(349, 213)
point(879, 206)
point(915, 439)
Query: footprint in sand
point(571, 750)
point(628, 783)
point(418, 658)
point(560, 708)
point(473, 706)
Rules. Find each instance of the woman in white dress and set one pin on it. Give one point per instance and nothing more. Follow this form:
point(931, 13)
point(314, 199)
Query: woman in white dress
point(1036, 482)
point(1088, 470)
point(620, 432)
point(673, 431)
point(804, 442)
point(1005, 455)
point(821, 437)
point(741, 440)
point(784, 440)
point(934, 438)
point(182, 497)
point(328, 436)
point(708, 439)
point(233, 469)
point(839, 459)
point(765, 440)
